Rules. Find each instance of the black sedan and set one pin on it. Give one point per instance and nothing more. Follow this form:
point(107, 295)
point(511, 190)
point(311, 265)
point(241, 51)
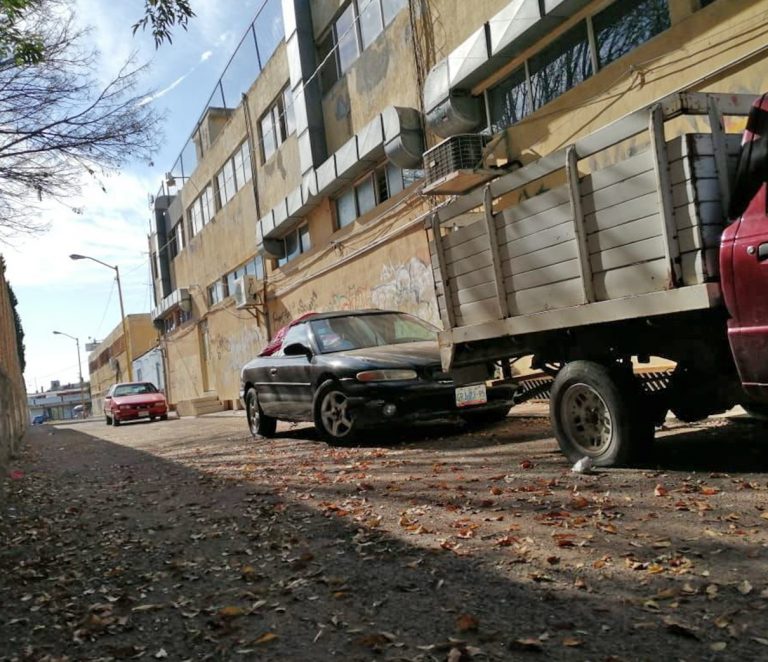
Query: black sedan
point(350, 371)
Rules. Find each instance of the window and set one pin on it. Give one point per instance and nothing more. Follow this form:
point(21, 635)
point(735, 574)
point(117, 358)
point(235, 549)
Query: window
point(623, 26)
point(296, 242)
point(371, 23)
point(276, 125)
point(355, 29)
point(290, 115)
point(179, 232)
point(560, 66)
point(570, 59)
point(382, 184)
point(216, 292)
point(509, 101)
point(235, 174)
point(347, 48)
point(296, 334)
point(226, 182)
point(255, 267)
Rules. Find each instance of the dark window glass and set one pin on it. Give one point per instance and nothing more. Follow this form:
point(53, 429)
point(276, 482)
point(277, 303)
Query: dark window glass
point(625, 25)
point(560, 66)
point(268, 139)
point(509, 100)
point(305, 242)
point(326, 61)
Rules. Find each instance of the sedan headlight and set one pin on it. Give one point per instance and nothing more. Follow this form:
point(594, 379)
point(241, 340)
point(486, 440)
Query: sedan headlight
point(386, 375)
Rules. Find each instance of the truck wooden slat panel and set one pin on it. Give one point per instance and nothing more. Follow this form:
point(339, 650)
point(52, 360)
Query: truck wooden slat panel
point(699, 237)
point(476, 293)
point(543, 258)
point(619, 172)
point(624, 212)
point(632, 280)
point(477, 263)
point(702, 190)
point(628, 189)
point(640, 251)
point(465, 233)
point(536, 205)
point(466, 249)
point(536, 241)
point(545, 276)
point(547, 297)
point(628, 233)
point(707, 213)
point(477, 312)
point(471, 279)
point(510, 229)
point(694, 268)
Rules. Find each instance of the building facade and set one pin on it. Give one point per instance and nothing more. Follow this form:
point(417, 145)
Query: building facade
point(303, 184)
point(60, 403)
point(112, 360)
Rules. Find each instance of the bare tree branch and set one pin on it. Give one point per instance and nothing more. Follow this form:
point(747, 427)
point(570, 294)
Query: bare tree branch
point(57, 125)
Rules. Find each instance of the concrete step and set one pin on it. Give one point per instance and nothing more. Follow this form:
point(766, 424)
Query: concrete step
point(206, 404)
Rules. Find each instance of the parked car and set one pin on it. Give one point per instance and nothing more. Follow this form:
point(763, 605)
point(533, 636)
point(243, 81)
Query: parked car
point(129, 401)
point(350, 371)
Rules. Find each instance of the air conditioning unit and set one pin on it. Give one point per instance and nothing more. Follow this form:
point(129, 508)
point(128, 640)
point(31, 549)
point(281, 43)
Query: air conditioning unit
point(455, 166)
point(248, 291)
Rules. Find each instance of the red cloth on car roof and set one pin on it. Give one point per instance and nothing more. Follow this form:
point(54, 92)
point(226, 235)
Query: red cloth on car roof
point(276, 343)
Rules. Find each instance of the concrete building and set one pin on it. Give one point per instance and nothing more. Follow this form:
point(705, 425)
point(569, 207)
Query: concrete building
point(301, 187)
point(60, 403)
point(109, 362)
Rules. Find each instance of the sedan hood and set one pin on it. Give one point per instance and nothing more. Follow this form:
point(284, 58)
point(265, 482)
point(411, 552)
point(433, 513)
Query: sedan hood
point(413, 354)
point(138, 399)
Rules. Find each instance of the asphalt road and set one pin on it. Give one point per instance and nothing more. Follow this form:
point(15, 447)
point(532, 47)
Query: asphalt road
point(185, 539)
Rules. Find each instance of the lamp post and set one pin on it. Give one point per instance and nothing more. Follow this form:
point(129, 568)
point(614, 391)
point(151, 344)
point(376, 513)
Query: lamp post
point(75, 256)
point(79, 365)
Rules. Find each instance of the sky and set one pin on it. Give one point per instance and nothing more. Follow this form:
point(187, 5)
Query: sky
point(79, 298)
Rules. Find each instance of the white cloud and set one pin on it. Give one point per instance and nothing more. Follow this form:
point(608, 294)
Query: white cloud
point(205, 56)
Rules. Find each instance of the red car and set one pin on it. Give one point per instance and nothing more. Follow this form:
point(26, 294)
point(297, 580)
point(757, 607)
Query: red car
point(130, 401)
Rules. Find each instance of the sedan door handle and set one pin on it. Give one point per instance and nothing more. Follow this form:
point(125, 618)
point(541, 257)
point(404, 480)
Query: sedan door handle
point(762, 252)
point(273, 371)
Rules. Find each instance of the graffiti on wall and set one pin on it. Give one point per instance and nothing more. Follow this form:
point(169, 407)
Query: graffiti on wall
point(405, 286)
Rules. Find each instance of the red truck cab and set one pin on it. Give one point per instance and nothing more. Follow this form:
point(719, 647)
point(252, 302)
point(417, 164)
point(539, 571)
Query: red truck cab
point(744, 257)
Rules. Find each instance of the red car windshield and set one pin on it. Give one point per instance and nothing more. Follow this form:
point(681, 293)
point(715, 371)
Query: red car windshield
point(133, 389)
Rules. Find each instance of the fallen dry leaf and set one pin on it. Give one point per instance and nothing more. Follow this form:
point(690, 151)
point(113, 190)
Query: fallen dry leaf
point(467, 623)
point(528, 644)
point(265, 638)
point(660, 491)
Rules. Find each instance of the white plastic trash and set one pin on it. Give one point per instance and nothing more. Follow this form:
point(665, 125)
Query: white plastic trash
point(583, 466)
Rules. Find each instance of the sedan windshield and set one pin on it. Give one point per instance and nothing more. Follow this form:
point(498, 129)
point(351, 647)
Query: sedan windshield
point(134, 389)
point(336, 334)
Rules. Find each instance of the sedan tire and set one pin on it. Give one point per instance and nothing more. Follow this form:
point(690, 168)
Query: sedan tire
point(333, 418)
point(115, 422)
point(107, 421)
point(260, 425)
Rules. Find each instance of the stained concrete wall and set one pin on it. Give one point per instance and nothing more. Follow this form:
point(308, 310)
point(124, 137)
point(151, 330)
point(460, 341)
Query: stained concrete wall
point(13, 400)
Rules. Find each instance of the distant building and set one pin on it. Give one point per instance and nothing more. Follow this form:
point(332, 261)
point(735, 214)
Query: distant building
point(60, 403)
point(112, 359)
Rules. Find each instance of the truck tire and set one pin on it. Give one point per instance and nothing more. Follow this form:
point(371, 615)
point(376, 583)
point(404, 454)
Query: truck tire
point(592, 414)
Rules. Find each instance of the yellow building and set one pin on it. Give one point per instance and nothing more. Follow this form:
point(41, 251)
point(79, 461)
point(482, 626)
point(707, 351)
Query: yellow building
point(109, 362)
point(301, 187)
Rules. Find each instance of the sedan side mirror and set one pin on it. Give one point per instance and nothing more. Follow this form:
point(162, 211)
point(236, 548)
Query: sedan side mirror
point(297, 349)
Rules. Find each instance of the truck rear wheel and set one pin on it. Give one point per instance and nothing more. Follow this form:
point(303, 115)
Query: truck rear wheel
point(592, 414)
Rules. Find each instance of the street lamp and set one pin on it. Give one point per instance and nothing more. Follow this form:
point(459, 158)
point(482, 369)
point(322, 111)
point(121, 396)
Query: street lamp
point(79, 365)
point(75, 256)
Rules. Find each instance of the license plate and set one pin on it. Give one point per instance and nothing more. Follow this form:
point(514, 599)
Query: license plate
point(143, 414)
point(471, 395)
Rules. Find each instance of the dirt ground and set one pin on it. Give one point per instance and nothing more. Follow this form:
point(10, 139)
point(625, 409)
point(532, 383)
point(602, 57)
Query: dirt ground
point(187, 540)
